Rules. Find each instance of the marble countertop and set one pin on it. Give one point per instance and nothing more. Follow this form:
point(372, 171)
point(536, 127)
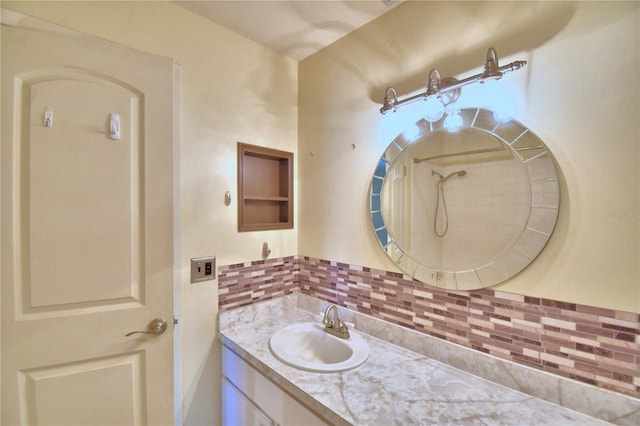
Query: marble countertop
point(396, 386)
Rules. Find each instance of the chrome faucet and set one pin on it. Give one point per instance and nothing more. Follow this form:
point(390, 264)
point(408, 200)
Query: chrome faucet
point(336, 326)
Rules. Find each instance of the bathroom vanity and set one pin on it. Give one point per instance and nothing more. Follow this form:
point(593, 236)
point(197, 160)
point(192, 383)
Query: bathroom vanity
point(398, 384)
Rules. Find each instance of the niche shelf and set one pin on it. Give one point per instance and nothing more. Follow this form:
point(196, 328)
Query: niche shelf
point(265, 188)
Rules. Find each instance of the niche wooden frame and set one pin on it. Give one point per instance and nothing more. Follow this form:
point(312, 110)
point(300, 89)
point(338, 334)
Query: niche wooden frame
point(265, 188)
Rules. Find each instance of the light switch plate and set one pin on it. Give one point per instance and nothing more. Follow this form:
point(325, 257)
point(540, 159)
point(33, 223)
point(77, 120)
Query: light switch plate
point(203, 268)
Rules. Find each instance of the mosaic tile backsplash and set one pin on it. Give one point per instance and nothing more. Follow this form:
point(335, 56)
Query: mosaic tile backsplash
point(593, 345)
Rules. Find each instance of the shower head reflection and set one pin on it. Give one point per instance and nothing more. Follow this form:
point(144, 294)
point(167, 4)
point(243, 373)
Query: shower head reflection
point(443, 179)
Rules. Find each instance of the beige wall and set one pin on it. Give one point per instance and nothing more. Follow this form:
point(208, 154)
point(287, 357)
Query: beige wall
point(579, 93)
point(232, 90)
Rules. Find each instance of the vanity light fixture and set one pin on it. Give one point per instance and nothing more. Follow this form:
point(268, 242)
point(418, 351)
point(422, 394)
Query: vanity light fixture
point(440, 93)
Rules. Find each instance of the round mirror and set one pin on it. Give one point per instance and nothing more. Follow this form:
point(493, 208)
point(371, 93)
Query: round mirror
point(464, 209)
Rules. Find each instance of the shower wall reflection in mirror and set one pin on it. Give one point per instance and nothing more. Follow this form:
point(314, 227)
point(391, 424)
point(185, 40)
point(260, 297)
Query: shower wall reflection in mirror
point(466, 209)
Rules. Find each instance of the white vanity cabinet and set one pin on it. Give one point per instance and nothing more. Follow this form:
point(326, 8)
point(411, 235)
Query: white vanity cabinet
point(249, 398)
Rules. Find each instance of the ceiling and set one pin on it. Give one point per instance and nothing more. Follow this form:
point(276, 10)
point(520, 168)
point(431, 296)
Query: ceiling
point(294, 28)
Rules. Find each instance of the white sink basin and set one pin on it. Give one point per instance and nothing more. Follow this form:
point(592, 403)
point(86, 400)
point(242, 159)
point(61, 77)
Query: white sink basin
point(308, 347)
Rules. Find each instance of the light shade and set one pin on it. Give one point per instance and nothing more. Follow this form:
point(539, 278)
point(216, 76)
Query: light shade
point(453, 122)
point(434, 109)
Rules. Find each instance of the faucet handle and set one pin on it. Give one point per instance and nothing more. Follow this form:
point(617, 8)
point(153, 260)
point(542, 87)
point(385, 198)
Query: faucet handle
point(342, 328)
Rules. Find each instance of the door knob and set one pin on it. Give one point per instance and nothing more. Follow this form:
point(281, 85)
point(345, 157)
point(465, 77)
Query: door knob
point(157, 326)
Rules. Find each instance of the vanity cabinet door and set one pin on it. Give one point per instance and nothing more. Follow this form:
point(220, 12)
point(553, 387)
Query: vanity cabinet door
point(238, 410)
point(250, 398)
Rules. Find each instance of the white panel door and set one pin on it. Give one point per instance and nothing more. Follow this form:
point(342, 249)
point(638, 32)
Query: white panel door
point(87, 244)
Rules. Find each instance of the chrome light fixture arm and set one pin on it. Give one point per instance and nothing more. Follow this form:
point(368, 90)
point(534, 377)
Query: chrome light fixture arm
point(448, 89)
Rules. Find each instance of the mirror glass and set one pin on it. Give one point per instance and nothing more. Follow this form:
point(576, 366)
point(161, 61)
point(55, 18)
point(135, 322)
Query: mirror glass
point(464, 209)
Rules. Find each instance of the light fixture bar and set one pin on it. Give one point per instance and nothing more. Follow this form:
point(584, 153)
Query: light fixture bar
point(437, 87)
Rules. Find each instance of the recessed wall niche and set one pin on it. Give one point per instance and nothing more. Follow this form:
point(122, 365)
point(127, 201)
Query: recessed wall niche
point(265, 188)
